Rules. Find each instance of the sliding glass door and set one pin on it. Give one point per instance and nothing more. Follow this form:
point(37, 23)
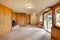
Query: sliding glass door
point(48, 21)
point(45, 21)
point(40, 19)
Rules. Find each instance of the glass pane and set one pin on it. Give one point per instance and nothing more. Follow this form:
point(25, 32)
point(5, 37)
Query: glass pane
point(45, 21)
point(41, 19)
point(49, 21)
point(58, 19)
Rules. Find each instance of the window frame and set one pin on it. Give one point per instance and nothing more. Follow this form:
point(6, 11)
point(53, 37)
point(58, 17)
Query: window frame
point(55, 17)
point(47, 18)
point(41, 19)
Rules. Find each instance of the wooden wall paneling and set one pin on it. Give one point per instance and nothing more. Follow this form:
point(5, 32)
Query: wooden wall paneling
point(55, 31)
point(53, 12)
point(13, 16)
point(34, 19)
point(21, 19)
point(5, 20)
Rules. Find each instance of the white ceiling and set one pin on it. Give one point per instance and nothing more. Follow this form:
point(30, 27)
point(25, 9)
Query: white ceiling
point(19, 5)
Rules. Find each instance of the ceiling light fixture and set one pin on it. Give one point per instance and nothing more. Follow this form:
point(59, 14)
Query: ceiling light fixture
point(28, 4)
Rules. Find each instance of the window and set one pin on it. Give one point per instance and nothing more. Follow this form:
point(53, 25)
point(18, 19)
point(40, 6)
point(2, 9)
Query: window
point(48, 21)
point(45, 21)
point(40, 19)
point(58, 18)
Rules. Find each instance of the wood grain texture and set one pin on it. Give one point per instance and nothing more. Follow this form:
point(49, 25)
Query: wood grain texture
point(55, 31)
point(34, 19)
point(13, 16)
point(5, 20)
point(21, 19)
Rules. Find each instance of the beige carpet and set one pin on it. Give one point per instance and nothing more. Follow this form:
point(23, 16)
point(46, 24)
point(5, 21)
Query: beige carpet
point(27, 33)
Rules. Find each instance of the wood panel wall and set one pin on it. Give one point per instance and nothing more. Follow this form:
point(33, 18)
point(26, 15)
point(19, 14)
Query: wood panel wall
point(5, 20)
point(28, 19)
point(13, 16)
point(21, 19)
point(55, 31)
point(34, 19)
